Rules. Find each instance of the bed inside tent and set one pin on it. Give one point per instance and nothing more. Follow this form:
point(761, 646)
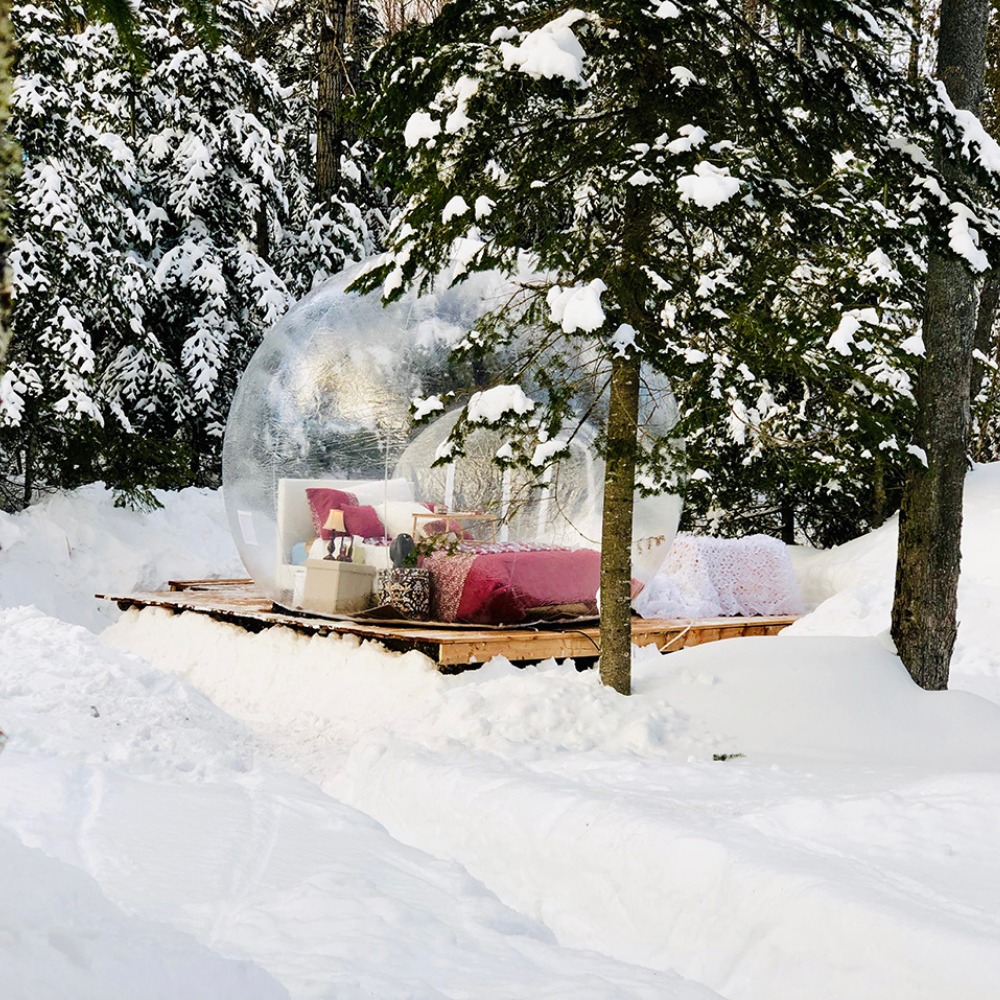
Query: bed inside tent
point(491, 547)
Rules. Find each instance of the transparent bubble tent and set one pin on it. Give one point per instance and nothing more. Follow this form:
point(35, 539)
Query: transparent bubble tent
point(325, 406)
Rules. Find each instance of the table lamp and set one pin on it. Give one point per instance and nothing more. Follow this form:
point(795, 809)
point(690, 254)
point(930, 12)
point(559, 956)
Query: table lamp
point(341, 547)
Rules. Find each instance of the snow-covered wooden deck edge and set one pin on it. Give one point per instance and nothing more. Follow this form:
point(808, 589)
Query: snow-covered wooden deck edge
point(451, 647)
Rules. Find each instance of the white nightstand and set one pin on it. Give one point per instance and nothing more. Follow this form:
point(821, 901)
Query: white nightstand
point(333, 587)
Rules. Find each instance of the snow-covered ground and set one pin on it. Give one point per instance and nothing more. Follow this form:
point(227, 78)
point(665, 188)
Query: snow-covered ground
point(188, 810)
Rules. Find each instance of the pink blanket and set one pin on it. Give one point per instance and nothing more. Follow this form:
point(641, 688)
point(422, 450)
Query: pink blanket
point(513, 582)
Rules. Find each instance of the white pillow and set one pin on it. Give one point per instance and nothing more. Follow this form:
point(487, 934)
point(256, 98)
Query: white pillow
point(373, 491)
point(374, 555)
point(397, 516)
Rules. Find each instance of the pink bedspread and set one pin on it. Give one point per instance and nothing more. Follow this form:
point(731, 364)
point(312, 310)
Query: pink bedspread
point(512, 582)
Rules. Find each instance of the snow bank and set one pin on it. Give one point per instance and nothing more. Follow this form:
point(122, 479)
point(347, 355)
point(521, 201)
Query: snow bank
point(853, 586)
point(61, 551)
point(330, 688)
point(769, 818)
point(812, 701)
point(715, 869)
point(159, 849)
point(61, 937)
point(803, 700)
point(724, 878)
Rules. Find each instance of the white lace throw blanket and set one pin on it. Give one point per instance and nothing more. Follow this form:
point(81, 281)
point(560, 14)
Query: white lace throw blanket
point(722, 577)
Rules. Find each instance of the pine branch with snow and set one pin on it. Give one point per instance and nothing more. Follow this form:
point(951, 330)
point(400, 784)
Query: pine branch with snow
point(779, 179)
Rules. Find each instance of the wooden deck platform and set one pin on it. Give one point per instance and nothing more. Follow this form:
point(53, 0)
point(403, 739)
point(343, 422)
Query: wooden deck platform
point(452, 647)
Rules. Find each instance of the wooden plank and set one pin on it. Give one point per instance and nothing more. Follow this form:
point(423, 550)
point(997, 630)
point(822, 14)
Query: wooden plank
point(518, 647)
point(452, 647)
point(665, 634)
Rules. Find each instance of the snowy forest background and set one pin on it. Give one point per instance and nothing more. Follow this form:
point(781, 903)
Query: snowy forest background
point(190, 808)
point(170, 208)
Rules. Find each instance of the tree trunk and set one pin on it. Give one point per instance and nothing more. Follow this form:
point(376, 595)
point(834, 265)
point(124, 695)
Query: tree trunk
point(10, 162)
point(337, 81)
point(28, 484)
point(984, 448)
point(989, 299)
point(787, 510)
point(880, 501)
point(917, 26)
point(924, 622)
point(622, 451)
point(989, 294)
point(616, 529)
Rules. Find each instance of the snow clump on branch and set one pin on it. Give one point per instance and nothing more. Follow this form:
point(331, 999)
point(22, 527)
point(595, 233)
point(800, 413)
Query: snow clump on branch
point(492, 406)
point(425, 407)
point(709, 186)
point(455, 208)
point(963, 238)
point(666, 9)
point(623, 340)
point(551, 51)
point(419, 126)
point(578, 307)
point(973, 133)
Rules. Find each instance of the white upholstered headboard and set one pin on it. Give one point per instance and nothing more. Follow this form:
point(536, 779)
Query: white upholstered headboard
point(295, 522)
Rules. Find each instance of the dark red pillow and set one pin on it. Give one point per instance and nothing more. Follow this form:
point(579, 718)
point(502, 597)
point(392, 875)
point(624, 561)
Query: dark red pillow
point(322, 501)
point(364, 521)
point(359, 519)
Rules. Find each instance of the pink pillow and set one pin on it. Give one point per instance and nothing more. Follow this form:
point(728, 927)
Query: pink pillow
point(364, 521)
point(322, 501)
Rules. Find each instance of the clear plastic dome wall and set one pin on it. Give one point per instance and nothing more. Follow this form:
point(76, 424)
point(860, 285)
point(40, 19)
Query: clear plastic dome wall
point(325, 403)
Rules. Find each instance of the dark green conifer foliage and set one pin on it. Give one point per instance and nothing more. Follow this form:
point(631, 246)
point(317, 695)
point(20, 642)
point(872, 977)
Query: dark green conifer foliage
point(164, 219)
point(754, 195)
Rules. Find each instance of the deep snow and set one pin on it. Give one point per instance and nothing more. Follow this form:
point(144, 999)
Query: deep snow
point(584, 845)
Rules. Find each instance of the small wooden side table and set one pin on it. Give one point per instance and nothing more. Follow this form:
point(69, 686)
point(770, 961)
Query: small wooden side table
point(451, 517)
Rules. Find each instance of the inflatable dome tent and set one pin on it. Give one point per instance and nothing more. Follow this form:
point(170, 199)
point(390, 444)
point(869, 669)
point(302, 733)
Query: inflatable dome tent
point(321, 421)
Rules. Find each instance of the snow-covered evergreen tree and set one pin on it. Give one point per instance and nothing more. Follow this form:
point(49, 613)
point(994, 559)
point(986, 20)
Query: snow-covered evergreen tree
point(789, 204)
point(163, 221)
point(750, 205)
